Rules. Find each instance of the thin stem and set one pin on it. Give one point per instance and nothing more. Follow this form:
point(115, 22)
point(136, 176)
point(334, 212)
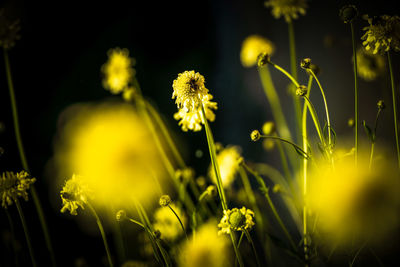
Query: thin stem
point(371, 157)
point(314, 116)
point(24, 162)
point(213, 156)
point(103, 235)
point(180, 222)
point(265, 190)
point(14, 241)
point(396, 133)
point(237, 253)
point(276, 66)
point(296, 147)
point(26, 232)
point(355, 94)
point(252, 246)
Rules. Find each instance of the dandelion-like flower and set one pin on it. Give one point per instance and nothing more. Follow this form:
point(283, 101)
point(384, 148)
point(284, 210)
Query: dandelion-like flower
point(382, 34)
point(369, 65)
point(190, 93)
point(14, 185)
point(207, 249)
point(74, 194)
point(236, 220)
point(228, 161)
point(290, 9)
point(252, 47)
point(9, 31)
point(117, 70)
point(166, 222)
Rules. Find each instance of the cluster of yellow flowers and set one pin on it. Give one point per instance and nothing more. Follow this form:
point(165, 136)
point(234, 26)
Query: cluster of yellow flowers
point(14, 185)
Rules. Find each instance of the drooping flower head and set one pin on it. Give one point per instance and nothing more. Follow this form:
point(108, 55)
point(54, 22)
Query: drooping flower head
point(117, 70)
point(236, 220)
point(75, 194)
point(166, 222)
point(14, 185)
point(207, 249)
point(369, 65)
point(289, 9)
point(9, 31)
point(252, 47)
point(382, 34)
point(228, 161)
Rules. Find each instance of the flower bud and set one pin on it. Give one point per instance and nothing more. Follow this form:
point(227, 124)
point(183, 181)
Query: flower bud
point(263, 59)
point(255, 135)
point(121, 215)
point(165, 200)
point(301, 90)
point(348, 13)
point(305, 63)
point(381, 105)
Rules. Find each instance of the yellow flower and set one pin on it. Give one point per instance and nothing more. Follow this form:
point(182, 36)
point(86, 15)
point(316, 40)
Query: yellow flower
point(236, 220)
point(166, 222)
point(290, 9)
point(369, 65)
point(111, 147)
point(9, 31)
point(13, 186)
point(74, 194)
point(206, 249)
point(228, 161)
point(252, 47)
point(189, 91)
point(382, 34)
point(191, 120)
point(117, 70)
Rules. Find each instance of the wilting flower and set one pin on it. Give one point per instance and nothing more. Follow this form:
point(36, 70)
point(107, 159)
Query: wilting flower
point(369, 65)
point(9, 31)
point(252, 47)
point(382, 34)
point(117, 70)
point(236, 220)
point(207, 249)
point(14, 185)
point(75, 194)
point(228, 161)
point(290, 9)
point(111, 147)
point(166, 222)
point(191, 94)
point(355, 204)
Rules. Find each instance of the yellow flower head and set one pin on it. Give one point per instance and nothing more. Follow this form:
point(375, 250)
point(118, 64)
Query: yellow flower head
point(74, 194)
point(290, 9)
point(252, 47)
point(13, 186)
point(191, 120)
point(236, 220)
point(166, 222)
point(117, 70)
point(228, 161)
point(369, 65)
point(207, 249)
point(9, 31)
point(382, 34)
point(111, 147)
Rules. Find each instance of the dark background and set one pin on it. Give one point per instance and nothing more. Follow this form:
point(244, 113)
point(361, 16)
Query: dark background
point(63, 45)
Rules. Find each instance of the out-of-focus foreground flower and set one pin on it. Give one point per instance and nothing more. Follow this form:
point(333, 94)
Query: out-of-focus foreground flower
point(166, 222)
point(228, 162)
point(370, 65)
point(252, 47)
point(109, 146)
point(289, 9)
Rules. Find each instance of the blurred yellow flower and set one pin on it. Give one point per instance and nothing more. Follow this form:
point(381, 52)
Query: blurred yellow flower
point(228, 161)
point(74, 194)
point(206, 249)
point(14, 185)
point(252, 47)
point(382, 34)
point(290, 9)
point(355, 205)
point(166, 222)
point(117, 70)
point(236, 220)
point(111, 147)
point(369, 65)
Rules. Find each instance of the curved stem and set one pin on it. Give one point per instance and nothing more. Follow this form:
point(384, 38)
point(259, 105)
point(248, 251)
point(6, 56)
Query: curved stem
point(294, 81)
point(103, 235)
point(180, 222)
point(252, 246)
point(26, 232)
point(296, 147)
point(314, 116)
point(355, 94)
point(396, 132)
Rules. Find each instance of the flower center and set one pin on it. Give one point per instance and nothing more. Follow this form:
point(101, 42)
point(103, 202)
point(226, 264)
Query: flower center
point(237, 219)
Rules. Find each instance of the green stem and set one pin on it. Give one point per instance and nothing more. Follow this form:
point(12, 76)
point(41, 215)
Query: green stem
point(24, 162)
point(371, 157)
point(14, 241)
point(287, 74)
point(26, 232)
point(213, 156)
point(252, 246)
point(296, 147)
point(235, 248)
point(103, 235)
point(355, 94)
point(396, 132)
point(314, 116)
point(180, 222)
point(265, 190)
